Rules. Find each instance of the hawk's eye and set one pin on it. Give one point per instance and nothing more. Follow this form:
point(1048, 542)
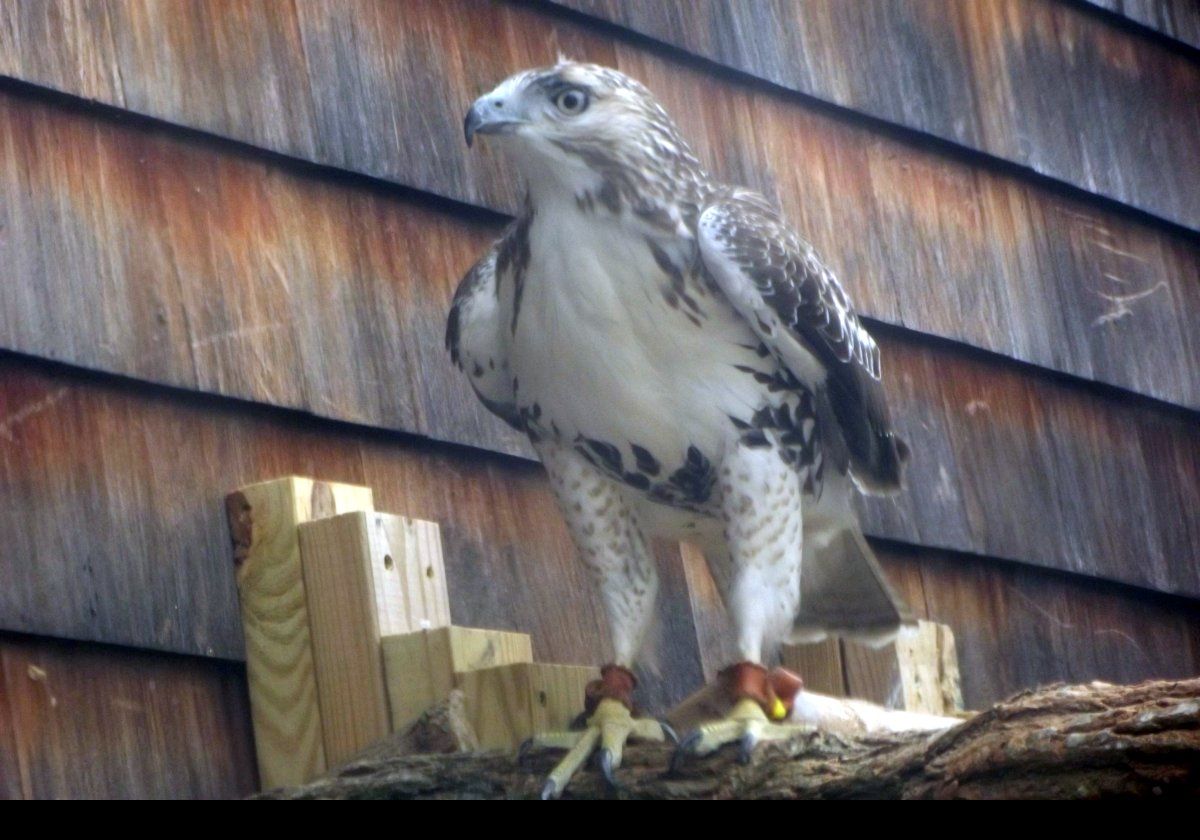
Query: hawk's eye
point(571, 101)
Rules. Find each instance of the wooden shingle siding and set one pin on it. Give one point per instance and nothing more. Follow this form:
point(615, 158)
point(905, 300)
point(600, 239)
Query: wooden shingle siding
point(166, 259)
point(109, 551)
point(114, 547)
point(174, 261)
point(1034, 82)
point(86, 721)
point(1178, 19)
point(163, 258)
point(1014, 465)
point(266, 207)
point(1016, 627)
point(940, 244)
point(114, 527)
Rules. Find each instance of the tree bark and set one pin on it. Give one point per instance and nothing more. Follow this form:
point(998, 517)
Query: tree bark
point(1071, 742)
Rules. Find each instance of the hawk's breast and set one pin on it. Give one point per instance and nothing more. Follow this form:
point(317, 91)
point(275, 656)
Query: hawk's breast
point(621, 350)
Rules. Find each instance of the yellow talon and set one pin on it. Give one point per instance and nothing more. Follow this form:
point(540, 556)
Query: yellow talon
point(608, 729)
point(778, 710)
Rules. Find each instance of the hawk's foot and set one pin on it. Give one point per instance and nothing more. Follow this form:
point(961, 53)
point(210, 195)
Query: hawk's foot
point(608, 725)
point(762, 700)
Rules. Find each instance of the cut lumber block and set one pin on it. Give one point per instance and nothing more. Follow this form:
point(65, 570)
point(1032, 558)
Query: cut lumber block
point(819, 664)
point(929, 670)
point(507, 704)
point(263, 521)
point(366, 575)
point(422, 668)
point(918, 672)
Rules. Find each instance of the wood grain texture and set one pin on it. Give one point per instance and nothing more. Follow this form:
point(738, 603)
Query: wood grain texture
point(14, 784)
point(819, 665)
point(90, 721)
point(919, 237)
point(263, 518)
point(714, 631)
point(214, 271)
point(509, 562)
point(1023, 80)
point(420, 668)
point(918, 672)
point(979, 452)
point(366, 575)
point(104, 542)
point(308, 282)
point(1006, 77)
point(1023, 462)
point(1017, 627)
point(510, 703)
point(1178, 19)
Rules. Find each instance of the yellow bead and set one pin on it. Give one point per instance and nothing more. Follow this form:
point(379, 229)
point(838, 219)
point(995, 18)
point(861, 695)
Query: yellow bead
point(778, 711)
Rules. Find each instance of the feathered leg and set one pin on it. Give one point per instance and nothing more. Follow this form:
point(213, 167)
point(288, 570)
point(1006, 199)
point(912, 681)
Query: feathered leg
point(613, 547)
point(761, 505)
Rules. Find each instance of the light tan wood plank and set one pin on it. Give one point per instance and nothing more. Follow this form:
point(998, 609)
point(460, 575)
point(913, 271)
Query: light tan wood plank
point(263, 520)
point(421, 668)
point(414, 596)
point(508, 704)
point(918, 672)
point(366, 574)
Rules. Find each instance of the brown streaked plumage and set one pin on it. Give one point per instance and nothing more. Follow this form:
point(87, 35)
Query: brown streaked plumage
point(672, 347)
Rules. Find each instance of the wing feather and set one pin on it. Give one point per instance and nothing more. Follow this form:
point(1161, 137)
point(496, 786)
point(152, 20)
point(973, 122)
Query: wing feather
point(477, 339)
point(797, 307)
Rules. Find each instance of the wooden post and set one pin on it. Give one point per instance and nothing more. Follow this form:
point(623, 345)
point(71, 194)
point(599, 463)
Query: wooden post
point(367, 575)
point(508, 704)
point(918, 672)
point(421, 668)
point(263, 520)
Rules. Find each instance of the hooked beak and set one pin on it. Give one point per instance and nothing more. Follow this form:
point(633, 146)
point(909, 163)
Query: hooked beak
point(490, 115)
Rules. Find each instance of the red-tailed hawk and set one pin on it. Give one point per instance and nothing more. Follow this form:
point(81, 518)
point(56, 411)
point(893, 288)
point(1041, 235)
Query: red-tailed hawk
point(686, 367)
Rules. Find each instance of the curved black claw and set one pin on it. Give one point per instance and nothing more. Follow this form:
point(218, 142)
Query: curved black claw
point(683, 751)
point(669, 731)
point(550, 790)
point(604, 760)
point(579, 722)
point(746, 745)
point(523, 751)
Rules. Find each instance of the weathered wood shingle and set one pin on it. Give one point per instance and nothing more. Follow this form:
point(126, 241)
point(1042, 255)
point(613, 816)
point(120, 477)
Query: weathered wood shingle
point(1037, 83)
point(166, 259)
point(90, 722)
point(202, 249)
point(1178, 19)
point(942, 244)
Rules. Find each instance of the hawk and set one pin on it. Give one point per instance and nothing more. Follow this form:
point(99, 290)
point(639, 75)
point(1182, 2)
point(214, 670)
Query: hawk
point(686, 367)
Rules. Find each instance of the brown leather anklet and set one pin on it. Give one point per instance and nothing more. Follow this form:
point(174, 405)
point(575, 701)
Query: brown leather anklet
point(774, 691)
point(615, 683)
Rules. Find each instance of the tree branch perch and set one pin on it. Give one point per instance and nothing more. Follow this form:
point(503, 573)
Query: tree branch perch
point(1083, 741)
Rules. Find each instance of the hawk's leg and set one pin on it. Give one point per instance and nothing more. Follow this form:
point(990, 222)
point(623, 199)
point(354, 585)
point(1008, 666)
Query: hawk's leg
point(759, 572)
point(614, 548)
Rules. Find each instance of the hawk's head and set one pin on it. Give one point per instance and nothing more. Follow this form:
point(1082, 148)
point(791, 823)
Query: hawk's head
point(575, 125)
